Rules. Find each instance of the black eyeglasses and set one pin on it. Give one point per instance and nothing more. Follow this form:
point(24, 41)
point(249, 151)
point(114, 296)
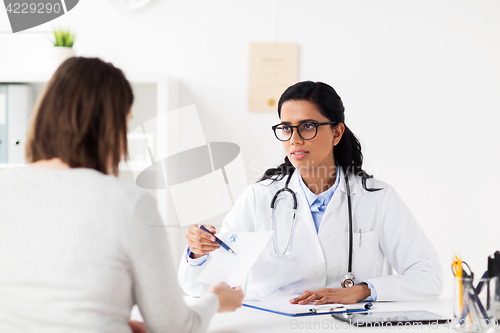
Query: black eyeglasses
point(307, 130)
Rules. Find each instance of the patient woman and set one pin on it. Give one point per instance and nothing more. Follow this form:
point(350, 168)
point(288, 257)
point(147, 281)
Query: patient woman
point(76, 247)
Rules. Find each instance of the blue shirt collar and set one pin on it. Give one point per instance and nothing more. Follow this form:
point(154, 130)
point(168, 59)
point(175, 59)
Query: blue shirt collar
point(325, 196)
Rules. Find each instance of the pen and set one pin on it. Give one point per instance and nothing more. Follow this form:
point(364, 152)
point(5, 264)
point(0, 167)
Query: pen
point(221, 243)
point(368, 305)
point(480, 285)
point(337, 309)
point(475, 298)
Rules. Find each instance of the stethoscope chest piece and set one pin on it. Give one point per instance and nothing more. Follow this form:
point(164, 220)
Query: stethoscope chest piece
point(348, 280)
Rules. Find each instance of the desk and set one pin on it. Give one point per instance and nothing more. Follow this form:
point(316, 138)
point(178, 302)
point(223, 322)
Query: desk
point(248, 320)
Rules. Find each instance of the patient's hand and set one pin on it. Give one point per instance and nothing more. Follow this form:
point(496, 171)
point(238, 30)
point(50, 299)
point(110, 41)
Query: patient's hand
point(229, 298)
point(137, 326)
point(333, 295)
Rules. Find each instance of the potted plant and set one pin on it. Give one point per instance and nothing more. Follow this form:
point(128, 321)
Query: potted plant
point(63, 45)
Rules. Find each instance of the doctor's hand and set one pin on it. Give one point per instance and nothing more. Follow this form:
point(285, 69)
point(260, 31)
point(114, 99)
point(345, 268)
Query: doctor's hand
point(333, 295)
point(229, 298)
point(137, 326)
point(201, 242)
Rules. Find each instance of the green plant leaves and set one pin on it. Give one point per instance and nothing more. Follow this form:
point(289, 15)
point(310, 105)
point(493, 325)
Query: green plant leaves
point(64, 38)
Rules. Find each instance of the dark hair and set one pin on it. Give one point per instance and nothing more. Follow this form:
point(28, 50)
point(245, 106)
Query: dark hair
point(81, 117)
point(347, 152)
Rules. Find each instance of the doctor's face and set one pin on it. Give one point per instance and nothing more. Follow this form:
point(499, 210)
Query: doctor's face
point(308, 155)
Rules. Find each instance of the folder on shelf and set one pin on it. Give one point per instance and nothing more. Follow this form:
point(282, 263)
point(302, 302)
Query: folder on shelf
point(3, 123)
point(282, 306)
point(16, 102)
point(19, 104)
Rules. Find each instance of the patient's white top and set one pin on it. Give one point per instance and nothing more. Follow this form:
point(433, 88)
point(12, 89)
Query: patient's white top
point(78, 249)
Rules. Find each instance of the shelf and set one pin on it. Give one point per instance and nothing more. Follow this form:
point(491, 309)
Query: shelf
point(41, 77)
point(12, 165)
point(155, 94)
point(25, 77)
point(131, 166)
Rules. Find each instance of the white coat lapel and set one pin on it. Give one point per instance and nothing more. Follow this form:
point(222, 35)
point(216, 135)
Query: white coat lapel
point(355, 185)
point(339, 198)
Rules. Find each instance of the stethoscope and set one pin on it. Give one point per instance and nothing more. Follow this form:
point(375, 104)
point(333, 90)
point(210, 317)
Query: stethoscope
point(349, 279)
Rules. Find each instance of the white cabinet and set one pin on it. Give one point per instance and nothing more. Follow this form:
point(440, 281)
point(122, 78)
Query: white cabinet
point(155, 94)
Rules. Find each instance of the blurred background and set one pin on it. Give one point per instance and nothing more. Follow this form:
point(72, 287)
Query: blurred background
point(420, 81)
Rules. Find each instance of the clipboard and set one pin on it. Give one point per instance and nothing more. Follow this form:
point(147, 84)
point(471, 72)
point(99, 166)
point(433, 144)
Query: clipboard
point(283, 307)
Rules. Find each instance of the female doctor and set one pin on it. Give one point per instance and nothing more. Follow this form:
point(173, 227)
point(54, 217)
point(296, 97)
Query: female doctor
point(346, 224)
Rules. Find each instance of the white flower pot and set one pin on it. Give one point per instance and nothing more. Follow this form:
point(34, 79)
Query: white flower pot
point(61, 53)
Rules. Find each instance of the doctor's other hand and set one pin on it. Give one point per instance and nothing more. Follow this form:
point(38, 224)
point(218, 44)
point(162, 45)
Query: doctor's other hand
point(229, 298)
point(201, 242)
point(137, 326)
point(333, 295)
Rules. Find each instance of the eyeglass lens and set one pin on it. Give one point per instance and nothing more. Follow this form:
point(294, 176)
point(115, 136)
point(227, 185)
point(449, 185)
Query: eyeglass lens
point(306, 131)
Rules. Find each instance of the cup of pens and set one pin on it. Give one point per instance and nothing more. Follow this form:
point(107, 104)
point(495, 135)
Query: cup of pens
point(476, 301)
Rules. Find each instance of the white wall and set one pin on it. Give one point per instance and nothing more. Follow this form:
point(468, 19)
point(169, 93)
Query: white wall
point(420, 80)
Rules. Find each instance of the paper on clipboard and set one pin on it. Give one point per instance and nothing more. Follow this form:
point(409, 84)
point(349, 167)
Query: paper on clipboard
point(233, 268)
point(281, 305)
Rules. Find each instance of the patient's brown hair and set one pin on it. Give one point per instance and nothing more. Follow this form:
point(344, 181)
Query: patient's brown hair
point(81, 117)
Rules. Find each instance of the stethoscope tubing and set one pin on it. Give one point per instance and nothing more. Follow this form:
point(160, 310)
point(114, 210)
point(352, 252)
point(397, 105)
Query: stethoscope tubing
point(273, 206)
point(294, 197)
point(348, 190)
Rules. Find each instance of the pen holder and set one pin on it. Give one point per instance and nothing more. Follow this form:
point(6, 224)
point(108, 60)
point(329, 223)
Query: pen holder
point(476, 304)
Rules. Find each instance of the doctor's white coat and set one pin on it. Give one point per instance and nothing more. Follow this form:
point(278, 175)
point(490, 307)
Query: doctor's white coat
point(384, 228)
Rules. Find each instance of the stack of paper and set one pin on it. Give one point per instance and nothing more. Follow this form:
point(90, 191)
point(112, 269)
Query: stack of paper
point(233, 268)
